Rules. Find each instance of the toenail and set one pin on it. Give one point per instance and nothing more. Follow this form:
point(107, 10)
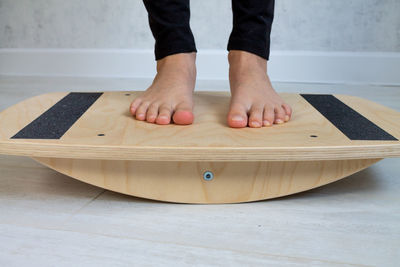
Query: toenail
point(279, 121)
point(237, 118)
point(255, 124)
point(286, 118)
point(267, 123)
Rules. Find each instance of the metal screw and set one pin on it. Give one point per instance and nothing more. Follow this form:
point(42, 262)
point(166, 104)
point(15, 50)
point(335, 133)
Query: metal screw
point(208, 176)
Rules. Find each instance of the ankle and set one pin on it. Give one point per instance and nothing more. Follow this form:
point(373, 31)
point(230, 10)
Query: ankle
point(185, 61)
point(239, 58)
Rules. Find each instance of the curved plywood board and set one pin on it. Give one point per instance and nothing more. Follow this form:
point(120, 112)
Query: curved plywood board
point(105, 130)
point(93, 138)
point(184, 182)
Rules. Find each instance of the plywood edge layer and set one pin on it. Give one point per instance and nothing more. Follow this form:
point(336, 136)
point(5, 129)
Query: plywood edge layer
point(201, 154)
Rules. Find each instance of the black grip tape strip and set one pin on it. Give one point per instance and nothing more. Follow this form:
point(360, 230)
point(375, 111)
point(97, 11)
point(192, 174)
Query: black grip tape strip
point(58, 119)
point(347, 120)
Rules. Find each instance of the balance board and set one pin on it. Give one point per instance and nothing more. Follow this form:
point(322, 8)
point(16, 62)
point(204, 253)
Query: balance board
point(92, 137)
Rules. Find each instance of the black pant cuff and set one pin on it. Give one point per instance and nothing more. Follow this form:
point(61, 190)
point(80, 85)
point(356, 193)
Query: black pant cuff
point(249, 46)
point(173, 48)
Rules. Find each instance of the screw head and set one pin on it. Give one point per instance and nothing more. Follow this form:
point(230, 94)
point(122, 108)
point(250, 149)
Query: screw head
point(208, 176)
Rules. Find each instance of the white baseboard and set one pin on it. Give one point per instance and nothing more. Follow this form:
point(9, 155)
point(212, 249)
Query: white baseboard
point(284, 66)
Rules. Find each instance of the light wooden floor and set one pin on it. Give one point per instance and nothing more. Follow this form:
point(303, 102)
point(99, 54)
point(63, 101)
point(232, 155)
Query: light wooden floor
point(48, 219)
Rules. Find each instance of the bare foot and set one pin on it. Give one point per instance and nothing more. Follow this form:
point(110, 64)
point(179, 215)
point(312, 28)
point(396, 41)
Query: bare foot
point(171, 93)
point(254, 102)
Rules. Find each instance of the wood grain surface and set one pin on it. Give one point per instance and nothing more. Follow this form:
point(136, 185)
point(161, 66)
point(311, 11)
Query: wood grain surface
point(208, 139)
point(183, 182)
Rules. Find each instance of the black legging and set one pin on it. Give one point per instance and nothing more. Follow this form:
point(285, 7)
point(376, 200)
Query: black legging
point(169, 23)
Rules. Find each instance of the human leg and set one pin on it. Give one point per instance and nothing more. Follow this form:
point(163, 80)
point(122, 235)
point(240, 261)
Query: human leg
point(170, 94)
point(254, 102)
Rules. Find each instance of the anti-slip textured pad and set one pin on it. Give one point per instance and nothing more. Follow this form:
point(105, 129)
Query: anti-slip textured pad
point(56, 121)
point(347, 120)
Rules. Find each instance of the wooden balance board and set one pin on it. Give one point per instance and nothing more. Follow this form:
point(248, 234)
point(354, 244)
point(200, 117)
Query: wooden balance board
point(92, 137)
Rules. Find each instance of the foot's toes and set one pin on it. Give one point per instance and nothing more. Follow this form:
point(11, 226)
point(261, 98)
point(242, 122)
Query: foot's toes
point(141, 111)
point(256, 116)
point(237, 117)
point(164, 115)
point(288, 111)
point(152, 113)
point(279, 115)
point(134, 105)
point(183, 114)
point(269, 116)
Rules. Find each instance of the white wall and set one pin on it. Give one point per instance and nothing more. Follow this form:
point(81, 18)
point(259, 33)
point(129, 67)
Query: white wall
point(322, 25)
point(361, 28)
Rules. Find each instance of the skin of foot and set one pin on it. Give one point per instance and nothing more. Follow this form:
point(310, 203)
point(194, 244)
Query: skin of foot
point(254, 102)
point(170, 97)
